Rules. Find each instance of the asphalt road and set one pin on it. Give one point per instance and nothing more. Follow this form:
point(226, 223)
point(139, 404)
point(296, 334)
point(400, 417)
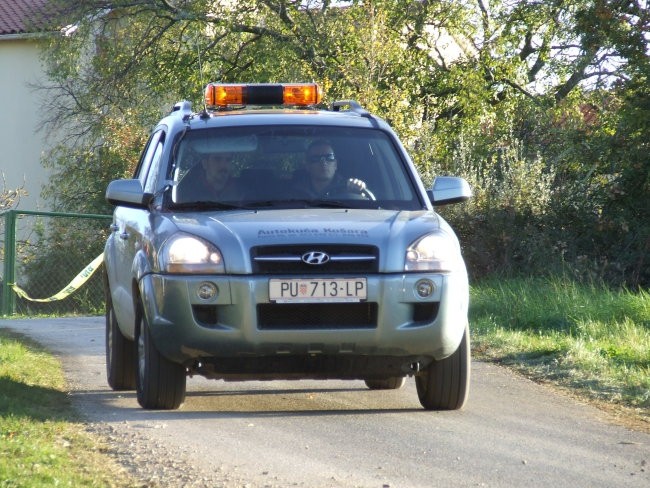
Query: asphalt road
point(511, 433)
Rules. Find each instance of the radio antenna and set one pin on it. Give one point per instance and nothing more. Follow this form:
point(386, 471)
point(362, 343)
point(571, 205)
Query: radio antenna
point(198, 52)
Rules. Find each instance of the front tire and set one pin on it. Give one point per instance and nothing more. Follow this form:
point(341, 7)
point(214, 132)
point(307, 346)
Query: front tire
point(120, 353)
point(444, 385)
point(161, 383)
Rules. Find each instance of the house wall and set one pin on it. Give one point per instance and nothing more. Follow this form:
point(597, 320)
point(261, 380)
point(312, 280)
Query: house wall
point(21, 143)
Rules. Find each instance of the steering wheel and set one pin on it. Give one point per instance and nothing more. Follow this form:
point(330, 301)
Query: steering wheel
point(357, 187)
point(368, 194)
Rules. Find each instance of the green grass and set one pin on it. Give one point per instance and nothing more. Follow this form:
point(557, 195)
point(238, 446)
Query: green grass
point(589, 338)
point(42, 444)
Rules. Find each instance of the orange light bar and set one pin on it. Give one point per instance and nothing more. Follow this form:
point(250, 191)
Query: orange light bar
point(224, 94)
point(302, 94)
point(221, 95)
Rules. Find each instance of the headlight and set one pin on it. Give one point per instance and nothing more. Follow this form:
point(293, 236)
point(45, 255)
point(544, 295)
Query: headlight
point(433, 252)
point(188, 254)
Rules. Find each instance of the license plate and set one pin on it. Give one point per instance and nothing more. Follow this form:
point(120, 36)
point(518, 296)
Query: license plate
point(318, 290)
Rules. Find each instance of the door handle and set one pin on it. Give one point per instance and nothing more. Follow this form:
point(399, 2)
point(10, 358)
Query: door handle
point(124, 235)
point(114, 227)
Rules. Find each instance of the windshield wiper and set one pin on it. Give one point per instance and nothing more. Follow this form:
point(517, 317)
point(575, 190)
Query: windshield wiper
point(207, 205)
point(296, 203)
point(320, 203)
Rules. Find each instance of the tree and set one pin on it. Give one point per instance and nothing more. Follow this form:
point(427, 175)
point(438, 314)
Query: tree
point(492, 91)
point(10, 197)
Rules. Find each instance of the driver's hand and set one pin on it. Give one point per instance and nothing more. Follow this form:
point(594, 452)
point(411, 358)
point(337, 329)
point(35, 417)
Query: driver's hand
point(356, 185)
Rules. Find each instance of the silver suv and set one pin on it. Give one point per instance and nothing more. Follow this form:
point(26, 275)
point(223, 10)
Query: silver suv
point(267, 238)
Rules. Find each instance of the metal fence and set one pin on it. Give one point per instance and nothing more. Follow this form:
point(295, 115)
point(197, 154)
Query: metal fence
point(42, 253)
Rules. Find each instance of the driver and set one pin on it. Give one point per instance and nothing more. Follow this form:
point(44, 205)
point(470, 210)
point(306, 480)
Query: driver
point(322, 178)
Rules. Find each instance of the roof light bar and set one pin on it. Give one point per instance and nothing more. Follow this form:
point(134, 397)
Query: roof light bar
point(224, 94)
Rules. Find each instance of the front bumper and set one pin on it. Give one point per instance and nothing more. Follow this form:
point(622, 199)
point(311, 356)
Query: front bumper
point(190, 330)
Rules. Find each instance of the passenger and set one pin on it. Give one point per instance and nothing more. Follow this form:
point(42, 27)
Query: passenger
point(214, 180)
point(322, 177)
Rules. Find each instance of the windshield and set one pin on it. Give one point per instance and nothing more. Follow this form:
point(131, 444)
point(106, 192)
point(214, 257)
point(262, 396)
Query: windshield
point(290, 167)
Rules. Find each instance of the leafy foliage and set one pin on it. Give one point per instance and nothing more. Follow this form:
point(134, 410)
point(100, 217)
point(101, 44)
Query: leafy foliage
point(543, 107)
point(10, 197)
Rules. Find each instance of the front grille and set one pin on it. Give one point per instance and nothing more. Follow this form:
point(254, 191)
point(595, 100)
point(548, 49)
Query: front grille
point(310, 316)
point(288, 259)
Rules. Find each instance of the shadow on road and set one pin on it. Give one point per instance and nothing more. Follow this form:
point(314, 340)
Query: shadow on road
point(252, 403)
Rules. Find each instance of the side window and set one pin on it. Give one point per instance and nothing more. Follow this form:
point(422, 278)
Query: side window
point(149, 185)
point(142, 170)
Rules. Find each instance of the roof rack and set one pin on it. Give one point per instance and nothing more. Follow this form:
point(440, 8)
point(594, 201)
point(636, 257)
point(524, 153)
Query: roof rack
point(354, 107)
point(184, 107)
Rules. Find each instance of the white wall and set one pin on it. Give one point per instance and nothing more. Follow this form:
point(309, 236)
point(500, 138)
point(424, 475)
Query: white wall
point(21, 146)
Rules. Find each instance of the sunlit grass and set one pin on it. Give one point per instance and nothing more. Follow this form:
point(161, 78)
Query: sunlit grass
point(41, 443)
point(587, 337)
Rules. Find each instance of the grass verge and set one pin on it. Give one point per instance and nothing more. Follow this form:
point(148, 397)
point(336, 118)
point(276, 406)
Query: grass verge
point(588, 338)
point(42, 443)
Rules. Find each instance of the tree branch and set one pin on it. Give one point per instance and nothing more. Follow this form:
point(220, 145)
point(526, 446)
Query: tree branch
point(578, 75)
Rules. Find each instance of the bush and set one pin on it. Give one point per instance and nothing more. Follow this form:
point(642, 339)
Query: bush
point(58, 250)
point(568, 196)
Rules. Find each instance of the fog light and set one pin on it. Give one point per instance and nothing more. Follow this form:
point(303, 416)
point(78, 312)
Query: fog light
point(424, 288)
point(207, 290)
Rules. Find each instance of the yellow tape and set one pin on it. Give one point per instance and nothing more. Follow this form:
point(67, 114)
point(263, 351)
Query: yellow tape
point(73, 286)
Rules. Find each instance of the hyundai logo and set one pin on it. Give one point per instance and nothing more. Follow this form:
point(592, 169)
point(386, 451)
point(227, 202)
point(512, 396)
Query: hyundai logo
point(315, 257)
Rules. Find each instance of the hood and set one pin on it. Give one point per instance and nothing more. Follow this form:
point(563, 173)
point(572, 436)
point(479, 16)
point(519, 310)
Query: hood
point(236, 232)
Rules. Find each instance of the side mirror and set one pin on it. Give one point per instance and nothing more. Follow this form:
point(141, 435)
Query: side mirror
point(449, 189)
point(127, 193)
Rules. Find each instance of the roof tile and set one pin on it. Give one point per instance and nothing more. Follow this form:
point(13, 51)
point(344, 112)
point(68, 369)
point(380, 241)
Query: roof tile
point(23, 16)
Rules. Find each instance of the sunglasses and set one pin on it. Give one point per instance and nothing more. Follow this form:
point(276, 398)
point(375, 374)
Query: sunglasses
point(321, 158)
